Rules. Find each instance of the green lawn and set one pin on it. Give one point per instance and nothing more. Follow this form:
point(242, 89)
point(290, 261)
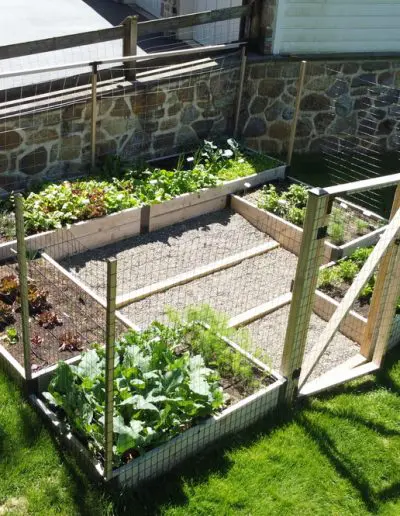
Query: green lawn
point(338, 454)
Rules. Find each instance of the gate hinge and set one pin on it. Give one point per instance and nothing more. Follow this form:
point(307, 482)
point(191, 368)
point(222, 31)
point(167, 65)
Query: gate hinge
point(322, 232)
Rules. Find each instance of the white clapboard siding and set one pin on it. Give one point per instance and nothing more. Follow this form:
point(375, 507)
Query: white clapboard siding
point(323, 26)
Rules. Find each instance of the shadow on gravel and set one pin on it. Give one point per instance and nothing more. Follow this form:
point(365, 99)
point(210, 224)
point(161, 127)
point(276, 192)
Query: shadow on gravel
point(164, 236)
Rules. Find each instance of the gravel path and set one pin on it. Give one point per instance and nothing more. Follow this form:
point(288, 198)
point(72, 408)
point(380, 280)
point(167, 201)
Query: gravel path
point(145, 259)
point(232, 291)
point(268, 335)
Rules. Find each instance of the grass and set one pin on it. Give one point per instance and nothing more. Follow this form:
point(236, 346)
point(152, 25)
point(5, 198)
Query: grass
point(338, 454)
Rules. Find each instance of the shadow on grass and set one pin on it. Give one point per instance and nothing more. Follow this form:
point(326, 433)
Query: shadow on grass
point(149, 500)
point(330, 448)
point(196, 470)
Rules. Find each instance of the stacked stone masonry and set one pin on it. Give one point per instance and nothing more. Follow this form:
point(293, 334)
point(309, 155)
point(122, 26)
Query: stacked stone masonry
point(343, 105)
point(340, 100)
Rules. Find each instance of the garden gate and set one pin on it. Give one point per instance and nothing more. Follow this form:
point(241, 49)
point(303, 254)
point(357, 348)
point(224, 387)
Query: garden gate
point(376, 332)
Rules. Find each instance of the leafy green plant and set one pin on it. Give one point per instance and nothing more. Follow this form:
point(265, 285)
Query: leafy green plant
point(12, 336)
point(336, 233)
point(70, 341)
point(166, 378)
point(119, 185)
point(290, 204)
point(9, 286)
point(49, 320)
point(208, 329)
point(6, 315)
point(362, 227)
point(7, 224)
point(158, 393)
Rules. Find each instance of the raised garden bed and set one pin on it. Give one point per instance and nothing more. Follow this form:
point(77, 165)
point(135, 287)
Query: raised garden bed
point(334, 281)
point(278, 208)
point(240, 389)
point(152, 211)
point(64, 321)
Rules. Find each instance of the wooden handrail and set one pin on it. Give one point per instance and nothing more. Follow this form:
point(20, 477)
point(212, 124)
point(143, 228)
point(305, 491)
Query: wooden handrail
point(113, 33)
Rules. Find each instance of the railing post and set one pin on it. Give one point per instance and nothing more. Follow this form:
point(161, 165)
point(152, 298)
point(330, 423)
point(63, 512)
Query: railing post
point(23, 283)
point(379, 306)
point(243, 62)
point(310, 257)
point(109, 376)
point(300, 86)
point(94, 115)
point(130, 45)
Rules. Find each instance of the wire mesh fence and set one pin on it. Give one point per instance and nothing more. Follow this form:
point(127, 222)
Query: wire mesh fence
point(64, 128)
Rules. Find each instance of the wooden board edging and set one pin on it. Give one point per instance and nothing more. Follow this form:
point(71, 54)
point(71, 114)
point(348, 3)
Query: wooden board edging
point(194, 274)
point(98, 232)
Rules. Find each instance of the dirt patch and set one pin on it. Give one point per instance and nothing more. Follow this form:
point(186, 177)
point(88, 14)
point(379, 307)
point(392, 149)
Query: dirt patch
point(360, 306)
point(83, 319)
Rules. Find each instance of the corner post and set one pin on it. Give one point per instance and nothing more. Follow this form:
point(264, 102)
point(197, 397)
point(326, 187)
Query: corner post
point(94, 115)
point(109, 376)
point(310, 258)
point(23, 283)
point(129, 47)
point(300, 86)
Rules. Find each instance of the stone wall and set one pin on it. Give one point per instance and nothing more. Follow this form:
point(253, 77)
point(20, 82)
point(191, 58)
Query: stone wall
point(156, 120)
point(344, 105)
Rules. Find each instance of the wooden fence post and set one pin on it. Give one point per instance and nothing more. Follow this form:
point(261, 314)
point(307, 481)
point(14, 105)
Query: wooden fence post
point(23, 283)
point(243, 62)
point(129, 47)
point(94, 115)
point(310, 258)
point(379, 305)
point(300, 86)
point(109, 376)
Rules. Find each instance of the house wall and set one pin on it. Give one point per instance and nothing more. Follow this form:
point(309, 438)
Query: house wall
point(342, 101)
point(337, 26)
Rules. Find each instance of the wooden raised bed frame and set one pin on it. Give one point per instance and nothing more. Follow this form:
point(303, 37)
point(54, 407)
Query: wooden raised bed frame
point(163, 458)
point(112, 228)
point(289, 235)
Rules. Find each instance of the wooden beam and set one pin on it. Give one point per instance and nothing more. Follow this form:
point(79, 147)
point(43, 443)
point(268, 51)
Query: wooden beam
point(362, 186)
point(75, 280)
point(188, 20)
point(260, 311)
point(199, 272)
point(310, 257)
point(129, 45)
point(350, 296)
point(300, 86)
point(375, 311)
point(60, 42)
point(329, 381)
